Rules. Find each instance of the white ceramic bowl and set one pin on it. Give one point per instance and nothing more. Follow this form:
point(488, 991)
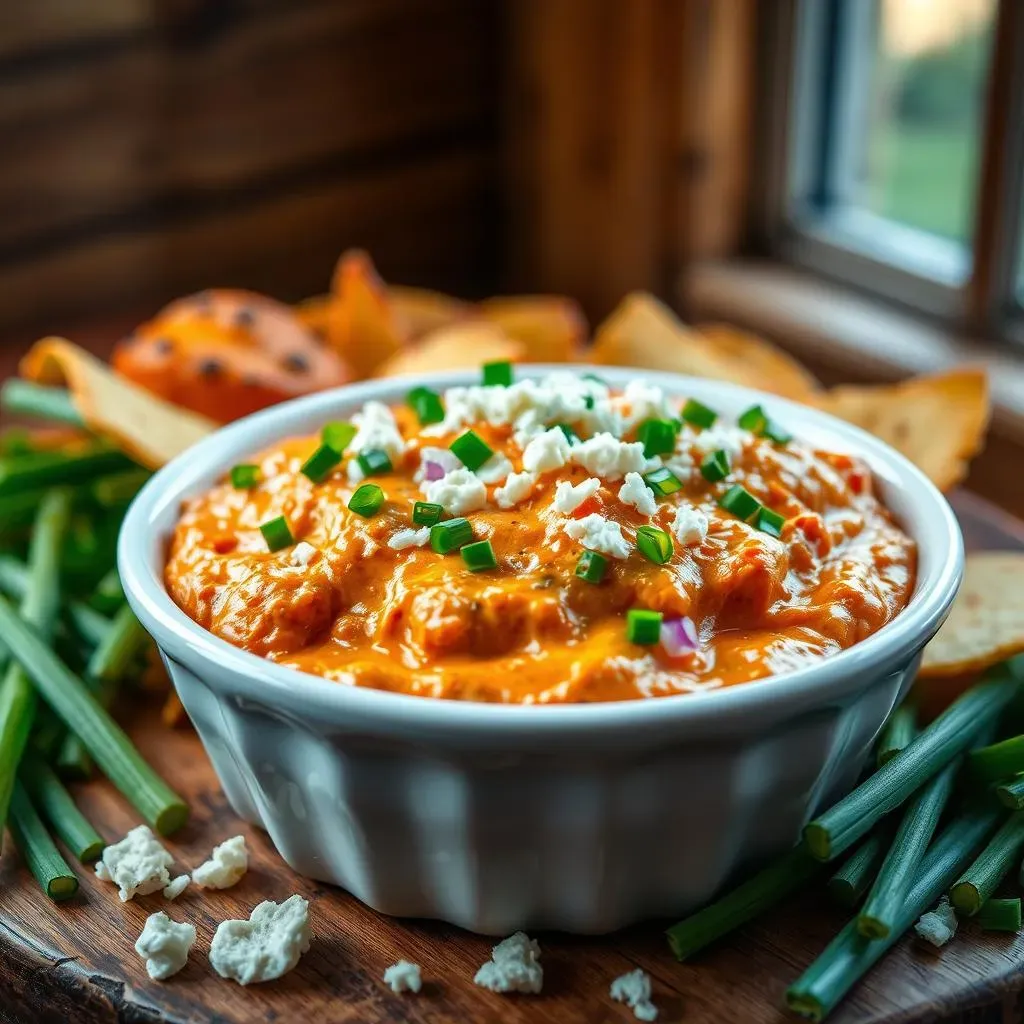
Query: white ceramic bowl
point(585, 818)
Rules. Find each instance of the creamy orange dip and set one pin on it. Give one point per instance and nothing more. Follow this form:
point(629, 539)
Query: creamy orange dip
point(759, 554)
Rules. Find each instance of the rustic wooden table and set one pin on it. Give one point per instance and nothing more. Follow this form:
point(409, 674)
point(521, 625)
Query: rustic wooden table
point(76, 962)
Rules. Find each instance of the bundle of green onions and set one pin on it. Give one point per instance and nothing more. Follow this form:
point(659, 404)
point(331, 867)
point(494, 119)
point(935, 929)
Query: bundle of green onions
point(948, 773)
point(67, 639)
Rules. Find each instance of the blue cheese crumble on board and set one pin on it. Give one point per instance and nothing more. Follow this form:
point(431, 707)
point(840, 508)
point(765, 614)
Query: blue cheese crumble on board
point(164, 945)
point(403, 977)
point(514, 966)
point(266, 946)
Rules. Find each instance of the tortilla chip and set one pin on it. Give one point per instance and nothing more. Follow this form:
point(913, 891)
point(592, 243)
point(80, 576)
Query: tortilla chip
point(458, 347)
point(420, 310)
point(314, 314)
point(147, 428)
point(776, 371)
point(938, 422)
point(362, 326)
point(986, 625)
point(551, 328)
point(644, 333)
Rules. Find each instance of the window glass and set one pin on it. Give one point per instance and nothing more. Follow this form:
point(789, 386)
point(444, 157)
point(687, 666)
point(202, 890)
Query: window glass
point(920, 76)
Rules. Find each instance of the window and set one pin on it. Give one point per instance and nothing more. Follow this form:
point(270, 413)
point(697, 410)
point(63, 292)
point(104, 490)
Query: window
point(889, 137)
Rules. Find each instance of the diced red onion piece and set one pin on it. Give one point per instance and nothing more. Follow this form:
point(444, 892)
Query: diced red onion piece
point(679, 637)
point(437, 462)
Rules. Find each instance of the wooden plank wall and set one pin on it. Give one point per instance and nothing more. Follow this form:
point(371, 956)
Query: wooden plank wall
point(627, 141)
point(151, 147)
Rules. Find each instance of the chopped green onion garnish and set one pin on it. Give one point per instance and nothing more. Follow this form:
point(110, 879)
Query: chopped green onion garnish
point(658, 436)
point(663, 482)
point(479, 556)
point(739, 501)
point(320, 463)
point(570, 435)
point(770, 522)
point(245, 475)
point(374, 462)
point(338, 435)
point(471, 450)
point(366, 500)
point(277, 533)
point(592, 566)
point(498, 374)
point(427, 513)
point(698, 414)
point(594, 377)
point(426, 404)
point(776, 433)
point(716, 466)
point(754, 419)
point(642, 626)
point(654, 544)
point(450, 535)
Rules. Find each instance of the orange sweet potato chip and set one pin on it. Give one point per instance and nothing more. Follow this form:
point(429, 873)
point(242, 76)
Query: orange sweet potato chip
point(937, 421)
point(420, 310)
point(551, 328)
point(456, 347)
point(986, 624)
point(775, 370)
point(147, 428)
point(362, 326)
point(314, 314)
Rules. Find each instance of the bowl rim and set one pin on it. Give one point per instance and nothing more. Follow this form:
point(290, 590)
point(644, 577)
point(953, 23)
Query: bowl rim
point(142, 546)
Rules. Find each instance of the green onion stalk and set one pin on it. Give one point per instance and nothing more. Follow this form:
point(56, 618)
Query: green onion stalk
point(54, 803)
point(110, 662)
point(850, 955)
point(903, 860)
point(108, 744)
point(977, 884)
point(924, 757)
point(742, 904)
point(852, 880)
point(39, 608)
point(38, 850)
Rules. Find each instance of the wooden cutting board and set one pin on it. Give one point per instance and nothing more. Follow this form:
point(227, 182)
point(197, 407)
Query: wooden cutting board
point(76, 962)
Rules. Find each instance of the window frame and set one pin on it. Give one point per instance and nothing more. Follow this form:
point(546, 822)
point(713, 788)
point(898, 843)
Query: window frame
point(801, 43)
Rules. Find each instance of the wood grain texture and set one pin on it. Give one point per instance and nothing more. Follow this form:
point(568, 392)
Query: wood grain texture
point(627, 140)
point(266, 134)
point(423, 223)
point(76, 962)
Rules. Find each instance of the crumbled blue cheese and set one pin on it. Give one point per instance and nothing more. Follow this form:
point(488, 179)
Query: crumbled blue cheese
point(938, 926)
point(689, 525)
point(599, 534)
point(605, 456)
point(514, 966)
point(645, 402)
point(403, 977)
point(137, 865)
point(495, 469)
point(402, 539)
point(226, 866)
point(301, 553)
point(731, 440)
point(516, 488)
point(459, 491)
point(546, 452)
point(176, 887)
point(164, 945)
point(634, 989)
point(636, 493)
point(354, 472)
point(376, 428)
point(568, 498)
point(529, 406)
point(266, 946)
